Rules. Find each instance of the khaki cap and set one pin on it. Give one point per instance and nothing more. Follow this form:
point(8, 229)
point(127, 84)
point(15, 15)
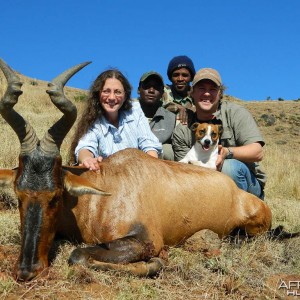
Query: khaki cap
point(208, 73)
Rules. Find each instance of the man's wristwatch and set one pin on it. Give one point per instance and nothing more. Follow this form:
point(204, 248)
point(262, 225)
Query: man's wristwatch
point(229, 154)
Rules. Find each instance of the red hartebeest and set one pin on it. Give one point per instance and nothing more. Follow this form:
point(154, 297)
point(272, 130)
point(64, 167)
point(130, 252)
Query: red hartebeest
point(128, 211)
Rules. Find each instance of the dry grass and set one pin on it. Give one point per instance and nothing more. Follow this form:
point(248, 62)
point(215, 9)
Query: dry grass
point(239, 270)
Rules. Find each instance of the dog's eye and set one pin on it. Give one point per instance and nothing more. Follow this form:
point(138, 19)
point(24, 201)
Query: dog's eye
point(202, 131)
point(213, 135)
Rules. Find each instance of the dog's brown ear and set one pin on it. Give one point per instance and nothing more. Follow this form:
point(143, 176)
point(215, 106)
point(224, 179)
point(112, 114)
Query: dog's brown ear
point(194, 126)
point(220, 128)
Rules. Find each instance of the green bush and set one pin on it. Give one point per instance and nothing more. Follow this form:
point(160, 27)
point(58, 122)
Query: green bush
point(80, 97)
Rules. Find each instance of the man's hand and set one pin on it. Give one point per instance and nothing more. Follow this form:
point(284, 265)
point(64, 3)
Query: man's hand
point(221, 157)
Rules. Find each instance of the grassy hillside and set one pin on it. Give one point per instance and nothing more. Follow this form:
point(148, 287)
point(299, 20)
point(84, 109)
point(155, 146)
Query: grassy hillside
point(204, 268)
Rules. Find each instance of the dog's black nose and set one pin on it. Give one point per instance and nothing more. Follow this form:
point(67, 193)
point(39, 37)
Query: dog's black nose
point(206, 142)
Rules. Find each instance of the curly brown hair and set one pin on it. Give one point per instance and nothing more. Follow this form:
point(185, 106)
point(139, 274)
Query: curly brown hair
point(94, 110)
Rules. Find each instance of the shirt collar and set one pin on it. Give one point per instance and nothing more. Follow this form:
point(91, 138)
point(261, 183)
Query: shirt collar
point(124, 117)
point(178, 97)
point(192, 116)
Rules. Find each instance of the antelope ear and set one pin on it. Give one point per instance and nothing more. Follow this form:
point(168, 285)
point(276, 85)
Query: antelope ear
point(77, 186)
point(7, 177)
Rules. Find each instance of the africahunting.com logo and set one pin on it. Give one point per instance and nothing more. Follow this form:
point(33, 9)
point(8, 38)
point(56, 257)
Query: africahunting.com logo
point(291, 287)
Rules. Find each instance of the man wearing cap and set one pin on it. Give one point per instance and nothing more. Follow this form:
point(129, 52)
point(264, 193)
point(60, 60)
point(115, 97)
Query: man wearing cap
point(241, 140)
point(180, 72)
point(162, 122)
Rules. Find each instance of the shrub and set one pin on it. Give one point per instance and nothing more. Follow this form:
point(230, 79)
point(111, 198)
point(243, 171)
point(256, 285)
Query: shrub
point(80, 98)
point(268, 119)
point(33, 82)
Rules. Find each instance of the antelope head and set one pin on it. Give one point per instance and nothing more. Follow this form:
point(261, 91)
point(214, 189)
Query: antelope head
point(39, 180)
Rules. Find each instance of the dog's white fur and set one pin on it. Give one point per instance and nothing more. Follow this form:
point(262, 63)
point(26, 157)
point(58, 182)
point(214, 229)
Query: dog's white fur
point(204, 153)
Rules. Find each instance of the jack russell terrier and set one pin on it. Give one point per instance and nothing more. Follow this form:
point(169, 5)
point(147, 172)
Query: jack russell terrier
point(204, 153)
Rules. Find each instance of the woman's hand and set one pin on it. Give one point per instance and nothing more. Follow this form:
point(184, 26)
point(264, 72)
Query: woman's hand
point(152, 153)
point(92, 163)
point(87, 159)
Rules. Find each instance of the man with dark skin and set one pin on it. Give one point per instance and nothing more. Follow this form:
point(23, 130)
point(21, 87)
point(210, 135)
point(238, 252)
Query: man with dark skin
point(176, 98)
point(161, 121)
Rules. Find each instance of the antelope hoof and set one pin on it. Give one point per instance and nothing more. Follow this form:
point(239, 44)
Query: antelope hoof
point(155, 265)
point(79, 257)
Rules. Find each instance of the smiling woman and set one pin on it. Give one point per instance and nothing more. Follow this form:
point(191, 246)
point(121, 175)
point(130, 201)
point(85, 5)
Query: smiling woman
point(111, 122)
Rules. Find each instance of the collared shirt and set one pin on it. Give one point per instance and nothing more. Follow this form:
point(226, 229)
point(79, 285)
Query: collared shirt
point(239, 128)
point(170, 96)
point(104, 139)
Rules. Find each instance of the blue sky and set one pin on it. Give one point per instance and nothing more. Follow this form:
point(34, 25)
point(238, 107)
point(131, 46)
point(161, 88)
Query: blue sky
point(254, 44)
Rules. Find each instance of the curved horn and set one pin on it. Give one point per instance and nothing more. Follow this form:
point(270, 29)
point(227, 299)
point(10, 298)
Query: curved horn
point(26, 134)
point(52, 140)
